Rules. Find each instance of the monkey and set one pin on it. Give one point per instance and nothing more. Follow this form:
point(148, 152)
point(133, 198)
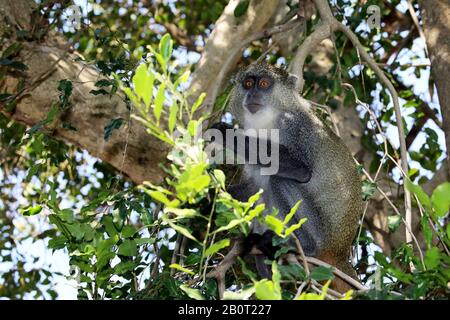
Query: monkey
point(315, 167)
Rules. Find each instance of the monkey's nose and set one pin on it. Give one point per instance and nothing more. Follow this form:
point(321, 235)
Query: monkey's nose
point(253, 107)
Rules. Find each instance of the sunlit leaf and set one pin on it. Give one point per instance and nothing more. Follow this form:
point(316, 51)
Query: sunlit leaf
point(173, 117)
point(217, 246)
point(143, 83)
point(294, 227)
point(418, 191)
point(166, 47)
point(192, 293)
point(180, 268)
point(159, 102)
point(31, 211)
point(198, 102)
point(291, 212)
point(441, 199)
point(275, 224)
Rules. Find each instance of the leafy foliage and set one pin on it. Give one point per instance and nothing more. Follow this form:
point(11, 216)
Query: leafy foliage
point(120, 239)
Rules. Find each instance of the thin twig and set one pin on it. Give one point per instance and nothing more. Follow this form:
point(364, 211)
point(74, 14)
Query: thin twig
point(220, 270)
point(302, 255)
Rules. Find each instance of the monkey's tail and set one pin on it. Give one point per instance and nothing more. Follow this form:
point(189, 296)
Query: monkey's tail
point(339, 284)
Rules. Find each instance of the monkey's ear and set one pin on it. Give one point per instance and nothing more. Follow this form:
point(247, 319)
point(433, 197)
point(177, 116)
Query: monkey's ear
point(293, 80)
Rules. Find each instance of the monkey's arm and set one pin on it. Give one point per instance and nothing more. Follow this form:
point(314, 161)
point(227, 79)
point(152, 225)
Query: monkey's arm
point(289, 167)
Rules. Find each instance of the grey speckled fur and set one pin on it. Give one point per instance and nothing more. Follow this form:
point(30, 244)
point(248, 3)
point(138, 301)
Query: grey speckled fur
point(332, 199)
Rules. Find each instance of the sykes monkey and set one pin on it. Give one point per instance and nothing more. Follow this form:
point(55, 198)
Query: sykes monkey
point(315, 166)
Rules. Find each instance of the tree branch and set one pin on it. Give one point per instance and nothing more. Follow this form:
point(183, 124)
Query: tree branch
point(331, 24)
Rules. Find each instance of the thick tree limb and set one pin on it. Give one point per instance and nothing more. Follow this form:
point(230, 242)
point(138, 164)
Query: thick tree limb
point(50, 61)
point(227, 35)
point(435, 17)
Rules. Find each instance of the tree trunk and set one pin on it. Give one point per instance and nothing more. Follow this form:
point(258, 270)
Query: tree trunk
point(435, 17)
point(51, 60)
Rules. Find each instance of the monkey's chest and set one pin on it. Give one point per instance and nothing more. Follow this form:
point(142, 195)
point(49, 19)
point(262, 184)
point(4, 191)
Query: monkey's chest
point(279, 192)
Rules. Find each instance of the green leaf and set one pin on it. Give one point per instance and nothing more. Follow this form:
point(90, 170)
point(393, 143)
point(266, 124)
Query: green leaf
point(322, 273)
point(182, 213)
point(254, 197)
point(166, 47)
point(128, 248)
point(173, 116)
point(368, 189)
point(418, 191)
point(128, 231)
point(143, 80)
point(441, 199)
point(276, 276)
point(292, 212)
point(201, 182)
point(294, 227)
point(185, 232)
point(432, 258)
point(198, 103)
point(159, 102)
point(109, 226)
point(57, 243)
point(180, 268)
point(111, 126)
point(124, 267)
point(192, 293)
point(426, 229)
point(255, 212)
point(266, 290)
point(141, 241)
point(220, 176)
point(230, 225)
point(394, 222)
point(31, 211)
point(292, 271)
point(217, 246)
point(76, 230)
point(241, 8)
point(12, 50)
point(159, 196)
point(104, 83)
point(275, 224)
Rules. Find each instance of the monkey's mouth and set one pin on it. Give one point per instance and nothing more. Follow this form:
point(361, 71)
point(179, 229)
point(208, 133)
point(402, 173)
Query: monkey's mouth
point(253, 107)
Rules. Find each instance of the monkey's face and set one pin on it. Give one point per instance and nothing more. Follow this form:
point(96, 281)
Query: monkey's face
point(256, 89)
point(260, 92)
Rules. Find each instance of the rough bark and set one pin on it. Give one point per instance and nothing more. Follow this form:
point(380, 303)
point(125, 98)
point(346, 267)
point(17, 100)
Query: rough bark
point(88, 113)
point(228, 33)
point(435, 18)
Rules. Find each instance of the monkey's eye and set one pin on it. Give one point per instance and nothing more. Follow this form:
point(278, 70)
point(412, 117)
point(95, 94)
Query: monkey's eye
point(264, 83)
point(248, 83)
